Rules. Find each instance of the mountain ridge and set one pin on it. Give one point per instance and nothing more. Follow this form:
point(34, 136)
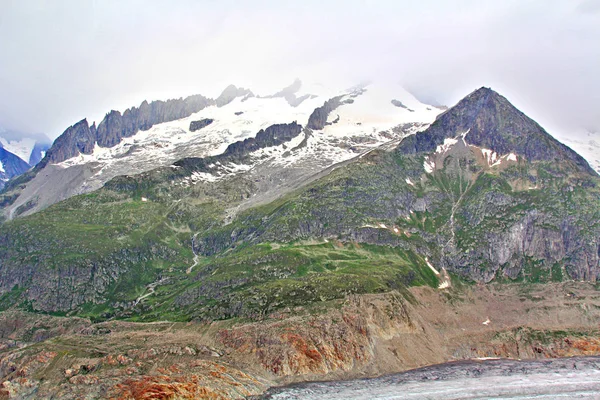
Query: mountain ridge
point(521, 129)
point(87, 165)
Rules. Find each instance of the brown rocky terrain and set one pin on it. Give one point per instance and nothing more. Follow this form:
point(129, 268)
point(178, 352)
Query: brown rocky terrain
point(363, 335)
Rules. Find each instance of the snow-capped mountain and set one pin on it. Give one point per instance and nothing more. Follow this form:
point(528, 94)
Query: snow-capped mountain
point(337, 125)
point(276, 141)
point(10, 166)
point(30, 148)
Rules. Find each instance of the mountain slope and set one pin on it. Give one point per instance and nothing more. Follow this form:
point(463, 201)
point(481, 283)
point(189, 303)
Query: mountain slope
point(189, 240)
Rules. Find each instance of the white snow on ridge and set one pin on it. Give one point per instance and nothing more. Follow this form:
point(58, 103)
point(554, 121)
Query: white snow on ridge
point(506, 157)
point(368, 122)
point(165, 141)
point(2, 167)
point(448, 143)
point(428, 165)
point(348, 137)
point(21, 148)
point(490, 156)
point(373, 111)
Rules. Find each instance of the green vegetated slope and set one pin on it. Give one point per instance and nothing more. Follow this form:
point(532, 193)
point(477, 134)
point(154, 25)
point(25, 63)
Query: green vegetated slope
point(371, 226)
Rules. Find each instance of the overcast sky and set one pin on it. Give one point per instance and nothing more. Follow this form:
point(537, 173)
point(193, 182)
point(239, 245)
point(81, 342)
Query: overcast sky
point(61, 61)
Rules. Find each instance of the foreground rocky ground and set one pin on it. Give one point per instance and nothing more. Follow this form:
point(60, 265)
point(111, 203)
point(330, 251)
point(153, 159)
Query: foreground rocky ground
point(361, 336)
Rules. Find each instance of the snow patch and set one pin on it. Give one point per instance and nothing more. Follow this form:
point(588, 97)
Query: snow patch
point(490, 156)
point(429, 165)
point(203, 177)
point(409, 182)
point(2, 167)
point(21, 148)
point(507, 157)
point(448, 143)
point(435, 271)
point(444, 285)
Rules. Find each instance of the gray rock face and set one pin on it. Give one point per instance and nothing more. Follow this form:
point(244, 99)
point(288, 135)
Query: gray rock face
point(197, 125)
point(77, 139)
point(318, 118)
point(398, 103)
point(81, 138)
point(289, 94)
point(272, 136)
point(230, 93)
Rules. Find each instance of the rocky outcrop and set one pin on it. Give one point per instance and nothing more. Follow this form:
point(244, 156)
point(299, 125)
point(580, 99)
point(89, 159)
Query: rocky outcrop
point(197, 125)
point(230, 93)
point(289, 94)
point(115, 126)
point(239, 151)
point(318, 119)
point(272, 136)
point(398, 103)
point(77, 139)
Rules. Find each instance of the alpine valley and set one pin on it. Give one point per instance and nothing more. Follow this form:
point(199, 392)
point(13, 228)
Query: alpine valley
point(213, 248)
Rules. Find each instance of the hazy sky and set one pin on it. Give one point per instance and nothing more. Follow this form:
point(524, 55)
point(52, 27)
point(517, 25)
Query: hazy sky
point(61, 61)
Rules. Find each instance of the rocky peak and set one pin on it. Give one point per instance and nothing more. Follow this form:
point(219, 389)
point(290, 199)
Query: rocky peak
point(76, 139)
point(81, 138)
point(230, 93)
point(488, 120)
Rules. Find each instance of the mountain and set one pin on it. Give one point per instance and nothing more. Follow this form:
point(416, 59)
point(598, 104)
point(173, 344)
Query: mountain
point(483, 193)
point(19, 152)
point(156, 134)
point(10, 166)
point(356, 233)
point(30, 148)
